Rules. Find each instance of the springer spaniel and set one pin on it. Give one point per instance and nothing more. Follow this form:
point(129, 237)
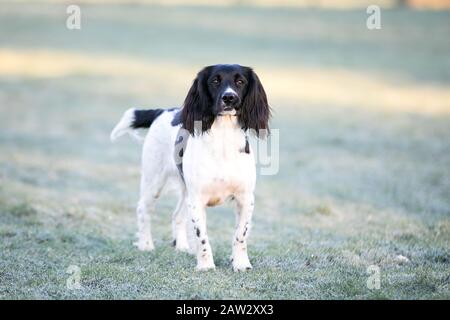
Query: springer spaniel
point(203, 150)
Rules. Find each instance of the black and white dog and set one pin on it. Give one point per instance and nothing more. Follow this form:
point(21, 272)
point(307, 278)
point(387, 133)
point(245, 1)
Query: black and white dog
point(203, 150)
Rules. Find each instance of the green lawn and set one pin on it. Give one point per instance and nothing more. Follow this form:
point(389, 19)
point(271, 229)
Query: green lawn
point(364, 123)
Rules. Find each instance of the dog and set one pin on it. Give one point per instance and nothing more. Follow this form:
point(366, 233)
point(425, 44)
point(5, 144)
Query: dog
point(203, 150)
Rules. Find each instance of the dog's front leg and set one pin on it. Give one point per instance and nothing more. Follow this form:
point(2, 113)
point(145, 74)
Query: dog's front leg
point(245, 205)
point(197, 213)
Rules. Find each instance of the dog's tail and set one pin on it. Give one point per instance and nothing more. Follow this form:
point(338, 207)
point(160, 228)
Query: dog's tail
point(134, 119)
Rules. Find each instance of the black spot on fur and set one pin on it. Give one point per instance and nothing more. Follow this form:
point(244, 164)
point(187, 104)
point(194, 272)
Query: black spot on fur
point(145, 118)
point(203, 241)
point(198, 232)
point(180, 146)
point(174, 243)
point(179, 140)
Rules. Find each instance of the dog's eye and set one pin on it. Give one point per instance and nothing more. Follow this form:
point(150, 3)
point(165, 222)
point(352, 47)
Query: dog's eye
point(239, 82)
point(216, 81)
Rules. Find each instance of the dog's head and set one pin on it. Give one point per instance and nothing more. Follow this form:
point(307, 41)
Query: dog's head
point(226, 90)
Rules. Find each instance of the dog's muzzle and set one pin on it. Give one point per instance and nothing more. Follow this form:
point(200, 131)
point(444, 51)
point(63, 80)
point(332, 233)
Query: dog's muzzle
point(228, 102)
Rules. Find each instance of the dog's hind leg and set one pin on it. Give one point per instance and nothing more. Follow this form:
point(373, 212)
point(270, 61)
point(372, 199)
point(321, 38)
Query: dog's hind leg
point(150, 191)
point(179, 228)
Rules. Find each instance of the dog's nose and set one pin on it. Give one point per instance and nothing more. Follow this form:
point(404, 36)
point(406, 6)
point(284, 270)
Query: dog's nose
point(229, 99)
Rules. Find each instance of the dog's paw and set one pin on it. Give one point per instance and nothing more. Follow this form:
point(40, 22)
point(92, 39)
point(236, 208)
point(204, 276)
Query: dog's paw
point(242, 264)
point(205, 265)
point(146, 245)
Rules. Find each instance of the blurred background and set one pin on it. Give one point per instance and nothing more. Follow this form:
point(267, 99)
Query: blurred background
point(364, 122)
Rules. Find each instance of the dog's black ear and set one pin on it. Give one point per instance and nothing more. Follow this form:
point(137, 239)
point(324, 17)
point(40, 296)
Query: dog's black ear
point(255, 113)
point(197, 106)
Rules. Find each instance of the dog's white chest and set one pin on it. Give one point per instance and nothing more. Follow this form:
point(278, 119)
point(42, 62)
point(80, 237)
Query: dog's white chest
point(228, 177)
point(216, 164)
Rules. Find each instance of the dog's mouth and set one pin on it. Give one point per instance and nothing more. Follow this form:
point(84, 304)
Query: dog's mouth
point(231, 112)
point(228, 109)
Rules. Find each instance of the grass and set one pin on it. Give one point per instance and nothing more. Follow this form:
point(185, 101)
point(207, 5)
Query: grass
point(364, 152)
